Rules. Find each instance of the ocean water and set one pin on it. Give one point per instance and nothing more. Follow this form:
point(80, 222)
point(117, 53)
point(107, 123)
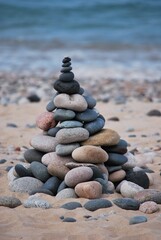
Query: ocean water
point(105, 38)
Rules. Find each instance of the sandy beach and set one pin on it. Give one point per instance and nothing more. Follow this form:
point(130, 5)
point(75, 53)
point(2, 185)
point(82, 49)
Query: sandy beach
point(142, 132)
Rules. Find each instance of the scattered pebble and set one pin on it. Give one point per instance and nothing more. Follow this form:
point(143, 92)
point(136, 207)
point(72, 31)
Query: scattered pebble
point(154, 113)
point(96, 204)
point(149, 207)
point(11, 202)
point(71, 205)
point(137, 219)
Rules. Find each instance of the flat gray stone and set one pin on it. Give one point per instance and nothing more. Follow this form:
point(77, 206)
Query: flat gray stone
point(70, 124)
point(137, 219)
point(66, 149)
point(63, 114)
point(11, 202)
point(44, 143)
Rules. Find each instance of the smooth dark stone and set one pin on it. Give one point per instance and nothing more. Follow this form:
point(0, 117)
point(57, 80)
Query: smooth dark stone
point(139, 177)
point(40, 171)
point(63, 114)
point(66, 60)
point(32, 155)
point(137, 219)
point(42, 190)
point(104, 184)
point(53, 131)
point(127, 203)
point(22, 171)
point(71, 205)
point(69, 219)
point(102, 117)
point(81, 91)
point(121, 147)
point(72, 87)
point(116, 159)
point(50, 106)
point(94, 126)
point(2, 161)
point(154, 113)
point(62, 186)
point(90, 101)
point(96, 173)
point(12, 125)
point(112, 169)
point(66, 69)
point(115, 119)
point(67, 64)
point(66, 77)
point(95, 204)
point(52, 184)
point(86, 116)
point(34, 98)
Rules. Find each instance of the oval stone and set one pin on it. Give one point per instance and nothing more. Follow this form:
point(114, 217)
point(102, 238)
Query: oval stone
point(71, 135)
point(40, 171)
point(116, 159)
point(117, 176)
point(71, 205)
point(70, 124)
point(22, 171)
point(90, 101)
point(106, 137)
point(63, 114)
point(53, 131)
point(66, 193)
point(131, 161)
point(139, 177)
point(90, 190)
point(78, 175)
point(45, 121)
point(129, 189)
point(87, 116)
point(96, 204)
point(149, 195)
point(66, 149)
point(72, 87)
point(137, 219)
point(52, 184)
point(94, 126)
point(11, 202)
point(66, 77)
point(127, 203)
point(32, 155)
point(73, 102)
point(149, 207)
point(121, 147)
point(90, 154)
point(50, 106)
point(44, 143)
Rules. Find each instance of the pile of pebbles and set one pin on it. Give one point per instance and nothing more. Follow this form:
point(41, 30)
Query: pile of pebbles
point(75, 155)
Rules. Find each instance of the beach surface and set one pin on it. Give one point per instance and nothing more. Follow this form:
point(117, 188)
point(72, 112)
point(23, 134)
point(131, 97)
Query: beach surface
point(143, 134)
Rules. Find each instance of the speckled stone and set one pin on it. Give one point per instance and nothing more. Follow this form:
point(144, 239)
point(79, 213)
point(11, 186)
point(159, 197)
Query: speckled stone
point(94, 126)
point(72, 135)
point(78, 175)
point(74, 102)
point(44, 143)
point(11, 202)
point(63, 115)
point(137, 219)
point(106, 137)
point(129, 189)
point(96, 204)
point(25, 184)
point(149, 195)
point(66, 149)
point(36, 202)
point(149, 207)
point(66, 193)
point(70, 124)
point(31, 155)
point(90, 190)
point(90, 154)
point(127, 203)
point(45, 121)
point(87, 116)
point(117, 176)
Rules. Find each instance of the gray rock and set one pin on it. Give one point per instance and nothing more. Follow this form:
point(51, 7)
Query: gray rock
point(63, 114)
point(127, 203)
point(53, 131)
point(96, 204)
point(70, 124)
point(116, 159)
point(137, 219)
point(44, 143)
point(66, 193)
point(94, 126)
point(87, 116)
point(32, 155)
point(36, 202)
point(11, 202)
point(69, 219)
point(40, 171)
point(66, 149)
point(90, 101)
point(71, 205)
point(50, 106)
point(52, 184)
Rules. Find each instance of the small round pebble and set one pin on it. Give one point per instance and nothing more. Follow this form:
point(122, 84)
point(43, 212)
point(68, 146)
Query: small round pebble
point(87, 116)
point(66, 149)
point(69, 219)
point(137, 219)
point(44, 143)
point(94, 126)
point(2, 161)
point(50, 106)
point(149, 207)
point(66, 193)
point(45, 121)
point(11, 202)
point(71, 205)
point(96, 204)
point(32, 155)
point(90, 190)
point(117, 176)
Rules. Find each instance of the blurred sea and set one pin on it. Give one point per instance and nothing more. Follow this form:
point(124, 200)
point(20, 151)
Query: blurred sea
point(105, 38)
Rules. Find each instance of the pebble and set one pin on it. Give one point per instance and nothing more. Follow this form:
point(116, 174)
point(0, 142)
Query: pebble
point(115, 119)
point(149, 207)
point(70, 124)
point(104, 184)
point(12, 125)
point(31, 155)
point(95, 126)
point(11, 177)
point(106, 137)
point(53, 131)
point(40, 171)
point(154, 113)
point(66, 149)
point(36, 202)
point(90, 190)
point(2, 161)
point(90, 101)
point(66, 77)
point(63, 115)
point(44, 143)
point(120, 148)
point(22, 171)
point(72, 165)
point(96, 172)
point(45, 121)
point(116, 159)
point(52, 184)
point(25, 184)
point(33, 97)
point(148, 195)
point(78, 175)
point(112, 169)
point(62, 186)
point(72, 87)
point(87, 116)
point(90, 154)
point(69, 219)
point(66, 69)
point(96, 204)
point(50, 106)
point(117, 176)
point(137, 219)
point(11, 202)
point(66, 193)
point(56, 166)
point(74, 102)
point(131, 161)
point(127, 203)
point(139, 177)
point(129, 189)
point(110, 187)
point(42, 190)
point(71, 205)
point(72, 135)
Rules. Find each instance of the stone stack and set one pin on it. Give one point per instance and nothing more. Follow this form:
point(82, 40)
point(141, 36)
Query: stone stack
point(74, 156)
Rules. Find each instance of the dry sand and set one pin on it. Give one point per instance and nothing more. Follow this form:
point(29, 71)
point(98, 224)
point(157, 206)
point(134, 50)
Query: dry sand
point(110, 223)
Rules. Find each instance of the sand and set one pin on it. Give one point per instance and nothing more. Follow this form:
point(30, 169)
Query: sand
point(110, 223)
